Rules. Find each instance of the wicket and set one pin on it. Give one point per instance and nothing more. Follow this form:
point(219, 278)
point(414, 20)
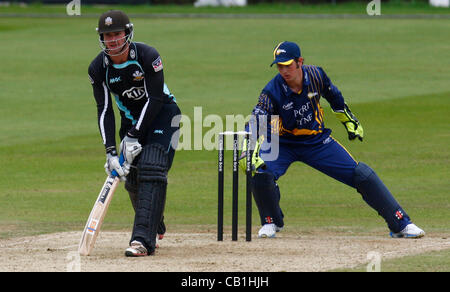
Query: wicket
point(235, 186)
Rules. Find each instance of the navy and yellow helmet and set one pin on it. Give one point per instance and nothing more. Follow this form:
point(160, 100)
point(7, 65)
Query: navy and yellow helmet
point(285, 53)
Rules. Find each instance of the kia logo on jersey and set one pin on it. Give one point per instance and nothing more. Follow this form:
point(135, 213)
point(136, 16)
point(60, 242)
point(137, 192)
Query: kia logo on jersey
point(134, 93)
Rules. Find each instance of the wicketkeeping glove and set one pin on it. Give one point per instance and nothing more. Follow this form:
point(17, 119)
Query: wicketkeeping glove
point(257, 161)
point(351, 123)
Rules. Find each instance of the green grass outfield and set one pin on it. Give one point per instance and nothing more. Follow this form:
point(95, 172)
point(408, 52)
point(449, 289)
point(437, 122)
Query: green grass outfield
point(393, 72)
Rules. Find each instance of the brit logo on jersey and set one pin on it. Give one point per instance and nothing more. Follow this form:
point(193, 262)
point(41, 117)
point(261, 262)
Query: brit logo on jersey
point(157, 64)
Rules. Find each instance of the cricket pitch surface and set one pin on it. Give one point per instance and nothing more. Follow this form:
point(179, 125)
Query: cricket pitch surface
point(201, 252)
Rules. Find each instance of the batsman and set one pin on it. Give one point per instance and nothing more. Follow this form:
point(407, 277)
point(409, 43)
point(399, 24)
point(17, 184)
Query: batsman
point(133, 74)
point(289, 106)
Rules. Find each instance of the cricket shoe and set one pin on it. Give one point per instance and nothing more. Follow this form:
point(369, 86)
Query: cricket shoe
point(137, 249)
point(410, 231)
point(269, 230)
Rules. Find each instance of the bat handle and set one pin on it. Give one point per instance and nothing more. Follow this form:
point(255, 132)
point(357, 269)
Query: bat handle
point(121, 161)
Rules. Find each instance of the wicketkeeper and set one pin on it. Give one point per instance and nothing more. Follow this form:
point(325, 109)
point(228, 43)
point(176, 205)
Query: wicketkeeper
point(293, 96)
point(133, 73)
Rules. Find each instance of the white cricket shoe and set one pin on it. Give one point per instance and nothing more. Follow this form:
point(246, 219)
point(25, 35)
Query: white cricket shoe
point(410, 231)
point(268, 230)
point(136, 249)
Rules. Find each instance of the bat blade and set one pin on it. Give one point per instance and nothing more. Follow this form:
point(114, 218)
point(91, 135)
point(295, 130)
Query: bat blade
point(95, 220)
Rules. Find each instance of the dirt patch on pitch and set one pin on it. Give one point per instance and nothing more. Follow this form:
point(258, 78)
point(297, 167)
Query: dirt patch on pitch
point(200, 252)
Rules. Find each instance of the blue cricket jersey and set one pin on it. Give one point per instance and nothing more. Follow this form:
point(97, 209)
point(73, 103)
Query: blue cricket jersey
point(300, 116)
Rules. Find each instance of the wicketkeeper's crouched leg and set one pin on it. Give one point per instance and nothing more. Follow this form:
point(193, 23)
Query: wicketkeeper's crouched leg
point(377, 196)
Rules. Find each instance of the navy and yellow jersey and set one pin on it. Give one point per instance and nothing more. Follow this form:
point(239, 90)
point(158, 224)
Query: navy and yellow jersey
point(300, 115)
point(137, 86)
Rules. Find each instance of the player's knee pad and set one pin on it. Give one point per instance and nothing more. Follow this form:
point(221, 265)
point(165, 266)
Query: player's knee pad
point(377, 195)
point(362, 173)
point(152, 185)
point(263, 183)
point(368, 184)
point(267, 198)
point(367, 181)
point(153, 164)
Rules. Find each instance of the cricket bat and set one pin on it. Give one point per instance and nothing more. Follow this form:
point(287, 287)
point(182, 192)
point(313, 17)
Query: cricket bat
point(95, 220)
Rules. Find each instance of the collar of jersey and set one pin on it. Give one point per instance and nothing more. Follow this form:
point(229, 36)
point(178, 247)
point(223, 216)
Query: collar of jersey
point(123, 65)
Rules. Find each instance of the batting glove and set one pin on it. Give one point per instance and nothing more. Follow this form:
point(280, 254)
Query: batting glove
point(112, 163)
point(130, 147)
point(351, 123)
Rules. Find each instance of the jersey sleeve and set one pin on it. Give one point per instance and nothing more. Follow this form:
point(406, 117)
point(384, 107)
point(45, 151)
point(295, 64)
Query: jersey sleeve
point(154, 86)
point(331, 93)
point(264, 105)
point(105, 112)
point(261, 114)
